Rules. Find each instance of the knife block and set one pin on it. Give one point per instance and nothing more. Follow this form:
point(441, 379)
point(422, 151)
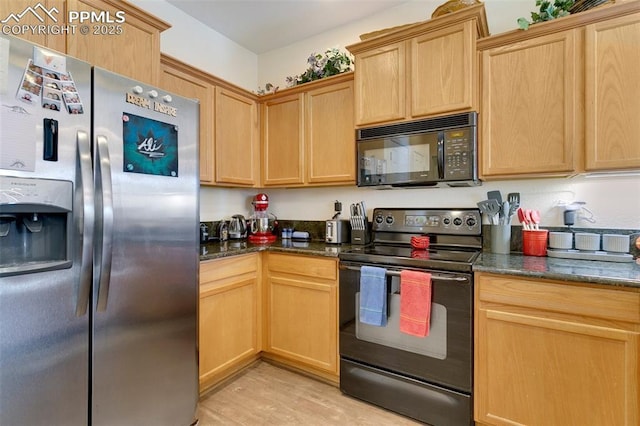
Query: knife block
point(361, 236)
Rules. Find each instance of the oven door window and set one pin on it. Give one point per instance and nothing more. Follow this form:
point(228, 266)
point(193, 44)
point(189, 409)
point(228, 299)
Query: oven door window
point(434, 345)
point(444, 357)
point(398, 159)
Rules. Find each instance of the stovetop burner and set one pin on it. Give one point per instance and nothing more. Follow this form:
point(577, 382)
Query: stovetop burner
point(455, 235)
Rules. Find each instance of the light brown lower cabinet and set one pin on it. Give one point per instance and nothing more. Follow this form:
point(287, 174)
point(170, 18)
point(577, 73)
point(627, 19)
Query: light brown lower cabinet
point(550, 353)
point(301, 319)
point(229, 325)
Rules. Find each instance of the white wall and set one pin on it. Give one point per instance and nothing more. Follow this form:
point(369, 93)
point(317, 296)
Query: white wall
point(615, 201)
point(192, 42)
point(275, 66)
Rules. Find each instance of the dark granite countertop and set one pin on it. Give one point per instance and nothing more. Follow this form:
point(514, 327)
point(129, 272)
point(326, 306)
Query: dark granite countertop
point(585, 271)
point(216, 250)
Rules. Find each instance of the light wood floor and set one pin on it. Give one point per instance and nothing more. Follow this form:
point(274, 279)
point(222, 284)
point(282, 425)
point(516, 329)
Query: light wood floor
point(268, 395)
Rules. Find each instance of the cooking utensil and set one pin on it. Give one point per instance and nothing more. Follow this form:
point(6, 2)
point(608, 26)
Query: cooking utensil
point(514, 203)
point(513, 198)
point(495, 195)
point(362, 213)
point(505, 219)
point(522, 217)
point(535, 218)
point(352, 218)
point(491, 208)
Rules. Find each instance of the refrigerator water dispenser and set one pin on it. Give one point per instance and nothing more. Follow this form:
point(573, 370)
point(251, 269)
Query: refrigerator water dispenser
point(35, 222)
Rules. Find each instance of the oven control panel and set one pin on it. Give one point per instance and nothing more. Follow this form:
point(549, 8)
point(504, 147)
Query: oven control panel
point(426, 221)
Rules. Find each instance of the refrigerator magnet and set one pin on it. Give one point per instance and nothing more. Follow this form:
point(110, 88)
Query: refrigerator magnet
point(150, 146)
point(49, 60)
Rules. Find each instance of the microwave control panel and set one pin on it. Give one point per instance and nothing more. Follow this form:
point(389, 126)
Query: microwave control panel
point(458, 155)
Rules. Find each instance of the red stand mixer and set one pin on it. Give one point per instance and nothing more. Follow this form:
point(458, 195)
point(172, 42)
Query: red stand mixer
point(262, 222)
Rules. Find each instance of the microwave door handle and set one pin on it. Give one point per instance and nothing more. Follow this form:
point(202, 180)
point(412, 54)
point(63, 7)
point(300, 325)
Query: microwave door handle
point(440, 155)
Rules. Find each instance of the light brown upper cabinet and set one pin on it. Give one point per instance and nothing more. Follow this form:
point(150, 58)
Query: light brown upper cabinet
point(237, 145)
point(130, 48)
point(52, 41)
point(282, 140)
point(613, 94)
point(530, 106)
point(308, 135)
point(419, 70)
point(189, 82)
point(562, 97)
point(229, 145)
point(134, 53)
point(330, 135)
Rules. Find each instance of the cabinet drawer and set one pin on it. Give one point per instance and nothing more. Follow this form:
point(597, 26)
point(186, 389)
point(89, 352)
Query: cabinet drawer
point(214, 270)
point(303, 265)
point(604, 303)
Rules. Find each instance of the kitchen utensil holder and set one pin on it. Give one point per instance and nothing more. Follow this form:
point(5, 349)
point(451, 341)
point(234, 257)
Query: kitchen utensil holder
point(534, 242)
point(500, 239)
point(360, 236)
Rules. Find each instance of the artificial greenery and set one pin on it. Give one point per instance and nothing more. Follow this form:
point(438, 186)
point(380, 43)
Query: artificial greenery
point(547, 12)
point(332, 62)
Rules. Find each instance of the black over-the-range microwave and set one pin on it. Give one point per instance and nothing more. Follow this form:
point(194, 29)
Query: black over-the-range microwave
point(435, 151)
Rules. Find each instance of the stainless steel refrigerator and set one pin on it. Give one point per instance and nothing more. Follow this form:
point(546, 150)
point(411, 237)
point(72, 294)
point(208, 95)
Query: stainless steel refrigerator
point(98, 245)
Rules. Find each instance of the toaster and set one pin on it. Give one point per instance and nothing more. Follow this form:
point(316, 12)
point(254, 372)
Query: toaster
point(337, 231)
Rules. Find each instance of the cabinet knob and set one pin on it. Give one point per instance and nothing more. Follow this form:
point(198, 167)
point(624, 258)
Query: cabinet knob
point(152, 94)
point(136, 89)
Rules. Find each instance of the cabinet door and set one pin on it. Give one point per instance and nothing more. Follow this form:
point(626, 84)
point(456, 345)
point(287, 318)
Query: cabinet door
point(613, 94)
point(180, 79)
point(442, 70)
point(540, 371)
point(301, 312)
point(302, 318)
point(380, 86)
point(282, 141)
point(529, 107)
point(555, 354)
point(55, 8)
point(237, 145)
point(229, 317)
point(329, 135)
point(134, 53)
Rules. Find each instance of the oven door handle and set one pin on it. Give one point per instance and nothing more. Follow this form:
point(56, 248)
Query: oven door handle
point(397, 274)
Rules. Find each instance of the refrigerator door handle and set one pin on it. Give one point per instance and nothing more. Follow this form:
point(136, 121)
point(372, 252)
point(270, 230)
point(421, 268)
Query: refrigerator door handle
point(85, 187)
point(104, 192)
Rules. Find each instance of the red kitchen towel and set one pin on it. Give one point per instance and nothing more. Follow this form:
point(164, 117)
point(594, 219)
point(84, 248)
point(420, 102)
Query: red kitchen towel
point(415, 302)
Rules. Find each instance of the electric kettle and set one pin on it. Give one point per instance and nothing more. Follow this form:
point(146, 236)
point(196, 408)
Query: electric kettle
point(237, 227)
